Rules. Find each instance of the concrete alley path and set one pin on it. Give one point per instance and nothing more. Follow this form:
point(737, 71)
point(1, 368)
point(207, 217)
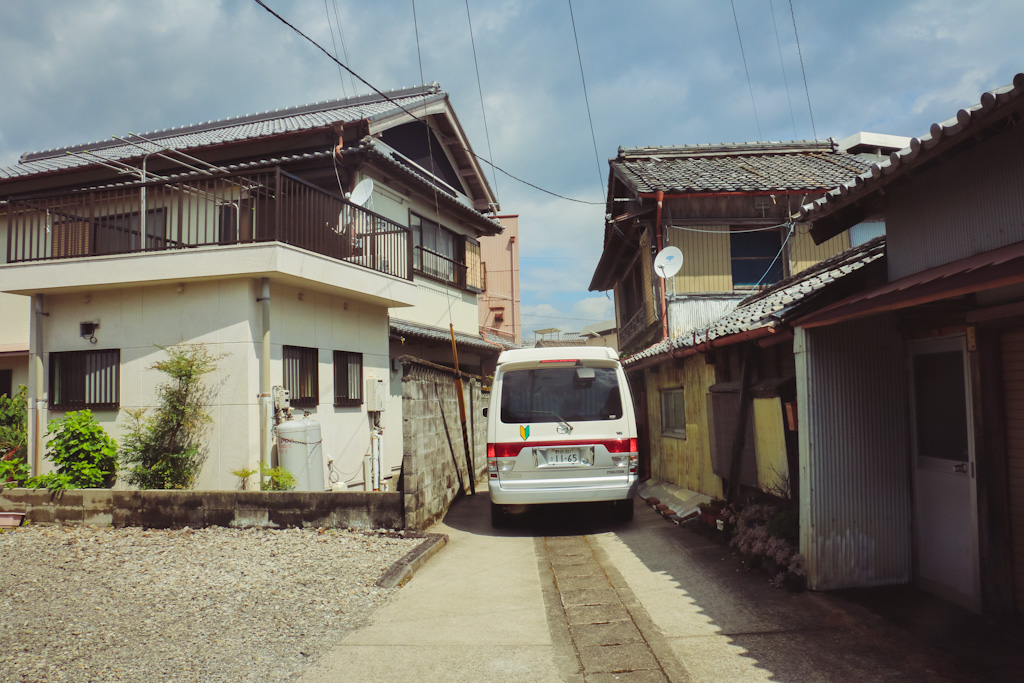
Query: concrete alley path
point(567, 595)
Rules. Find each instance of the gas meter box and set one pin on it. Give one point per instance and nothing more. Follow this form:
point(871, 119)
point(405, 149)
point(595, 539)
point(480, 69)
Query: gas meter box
point(375, 395)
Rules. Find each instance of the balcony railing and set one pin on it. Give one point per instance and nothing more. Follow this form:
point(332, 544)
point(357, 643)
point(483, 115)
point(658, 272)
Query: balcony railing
point(209, 211)
point(633, 327)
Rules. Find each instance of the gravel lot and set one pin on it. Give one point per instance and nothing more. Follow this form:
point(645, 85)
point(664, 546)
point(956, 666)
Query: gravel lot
point(100, 604)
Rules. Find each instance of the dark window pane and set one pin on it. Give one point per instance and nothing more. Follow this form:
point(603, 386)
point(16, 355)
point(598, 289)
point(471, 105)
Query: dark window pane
point(555, 394)
point(940, 406)
point(348, 378)
point(301, 376)
point(85, 379)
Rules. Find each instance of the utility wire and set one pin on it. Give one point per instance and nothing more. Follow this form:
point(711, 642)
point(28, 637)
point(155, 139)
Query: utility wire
point(782, 65)
point(344, 45)
point(414, 117)
point(579, 56)
point(416, 27)
point(341, 74)
point(802, 70)
point(750, 87)
point(480, 89)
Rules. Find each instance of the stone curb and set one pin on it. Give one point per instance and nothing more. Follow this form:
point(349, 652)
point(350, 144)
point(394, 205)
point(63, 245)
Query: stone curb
point(401, 571)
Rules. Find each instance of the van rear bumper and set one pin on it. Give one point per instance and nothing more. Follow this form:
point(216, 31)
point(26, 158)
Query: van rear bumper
point(590, 494)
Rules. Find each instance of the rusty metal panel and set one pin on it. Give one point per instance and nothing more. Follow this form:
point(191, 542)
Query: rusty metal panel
point(688, 313)
point(855, 506)
point(972, 204)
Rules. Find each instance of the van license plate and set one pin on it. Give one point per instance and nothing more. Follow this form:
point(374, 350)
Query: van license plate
point(564, 456)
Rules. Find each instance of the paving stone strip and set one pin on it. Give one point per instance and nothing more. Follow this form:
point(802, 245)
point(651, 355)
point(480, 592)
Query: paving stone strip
point(600, 630)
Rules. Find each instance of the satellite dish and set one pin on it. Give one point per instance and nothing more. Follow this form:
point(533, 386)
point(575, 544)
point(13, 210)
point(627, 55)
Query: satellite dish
point(668, 262)
point(362, 192)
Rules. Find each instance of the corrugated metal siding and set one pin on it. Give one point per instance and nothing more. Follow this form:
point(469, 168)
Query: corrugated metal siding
point(855, 507)
point(804, 253)
point(1012, 343)
point(936, 219)
point(691, 313)
point(683, 462)
point(707, 261)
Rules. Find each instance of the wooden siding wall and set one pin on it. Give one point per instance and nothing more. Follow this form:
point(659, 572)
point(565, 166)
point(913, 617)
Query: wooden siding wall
point(971, 204)
point(855, 501)
point(683, 462)
point(707, 260)
point(770, 446)
point(647, 278)
point(1012, 343)
point(804, 253)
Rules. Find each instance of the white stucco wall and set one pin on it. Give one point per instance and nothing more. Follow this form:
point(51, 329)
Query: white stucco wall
point(225, 315)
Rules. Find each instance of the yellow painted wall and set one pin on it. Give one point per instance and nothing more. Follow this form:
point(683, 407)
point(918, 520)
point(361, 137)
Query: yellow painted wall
point(683, 462)
point(707, 260)
point(770, 445)
point(804, 253)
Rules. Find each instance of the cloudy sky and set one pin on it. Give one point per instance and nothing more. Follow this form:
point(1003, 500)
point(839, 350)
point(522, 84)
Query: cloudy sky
point(657, 72)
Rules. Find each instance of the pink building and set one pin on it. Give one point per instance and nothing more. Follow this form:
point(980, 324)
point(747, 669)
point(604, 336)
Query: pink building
point(500, 314)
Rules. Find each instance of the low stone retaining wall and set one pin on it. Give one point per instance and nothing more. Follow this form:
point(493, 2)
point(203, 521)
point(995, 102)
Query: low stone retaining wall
point(175, 509)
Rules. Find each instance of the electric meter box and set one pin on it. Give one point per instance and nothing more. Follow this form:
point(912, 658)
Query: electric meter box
point(282, 398)
point(375, 395)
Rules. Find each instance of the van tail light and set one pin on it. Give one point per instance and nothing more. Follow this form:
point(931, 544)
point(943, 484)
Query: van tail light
point(620, 445)
point(503, 451)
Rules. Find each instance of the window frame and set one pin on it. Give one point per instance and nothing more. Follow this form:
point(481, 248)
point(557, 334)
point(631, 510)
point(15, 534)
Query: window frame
point(431, 237)
point(750, 232)
point(671, 428)
point(342, 366)
point(307, 366)
point(7, 382)
point(70, 376)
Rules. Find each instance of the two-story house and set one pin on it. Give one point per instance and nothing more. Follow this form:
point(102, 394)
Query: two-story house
point(298, 244)
point(727, 209)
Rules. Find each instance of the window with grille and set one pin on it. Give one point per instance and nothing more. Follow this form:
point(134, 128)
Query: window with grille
point(85, 379)
point(301, 377)
point(348, 378)
point(6, 382)
point(445, 255)
point(755, 257)
point(673, 413)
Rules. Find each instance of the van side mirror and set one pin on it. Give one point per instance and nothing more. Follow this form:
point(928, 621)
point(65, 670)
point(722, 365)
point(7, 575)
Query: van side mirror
point(485, 411)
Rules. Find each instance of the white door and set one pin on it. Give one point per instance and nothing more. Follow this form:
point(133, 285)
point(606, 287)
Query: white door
point(946, 520)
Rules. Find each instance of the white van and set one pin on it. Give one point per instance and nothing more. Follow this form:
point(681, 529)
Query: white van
point(561, 429)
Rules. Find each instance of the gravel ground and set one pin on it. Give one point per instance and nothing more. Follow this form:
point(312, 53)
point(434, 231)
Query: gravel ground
point(82, 603)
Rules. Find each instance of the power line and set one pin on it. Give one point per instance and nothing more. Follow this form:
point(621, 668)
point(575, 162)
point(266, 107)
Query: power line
point(341, 74)
point(344, 45)
point(782, 65)
point(802, 70)
point(413, 116)
point(579, 56)
point(416, 27)
point(480, 89)
point(750, 87)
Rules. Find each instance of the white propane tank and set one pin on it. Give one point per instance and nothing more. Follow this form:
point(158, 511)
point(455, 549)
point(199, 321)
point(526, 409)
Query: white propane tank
point(300, 451)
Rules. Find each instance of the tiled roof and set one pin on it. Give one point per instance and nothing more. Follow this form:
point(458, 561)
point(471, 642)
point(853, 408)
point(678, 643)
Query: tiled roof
point(738, 167)
point(236, 129)
point(404, 328)
point(770, 308)
point(967, 123)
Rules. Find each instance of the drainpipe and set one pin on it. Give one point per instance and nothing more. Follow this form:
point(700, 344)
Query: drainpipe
point(660, 196)
point(36, 398)
point(512, 282)
point(266, 400)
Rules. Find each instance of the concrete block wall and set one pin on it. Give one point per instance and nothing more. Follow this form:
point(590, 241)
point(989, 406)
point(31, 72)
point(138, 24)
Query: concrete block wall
point(434, 467)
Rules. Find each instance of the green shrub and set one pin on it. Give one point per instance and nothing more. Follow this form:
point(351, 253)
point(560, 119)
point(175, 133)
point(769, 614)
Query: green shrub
point(243, 475)
point(165, 451)
point(785, 524)
point(85, 456)
point(277, 479)
point(14, 467)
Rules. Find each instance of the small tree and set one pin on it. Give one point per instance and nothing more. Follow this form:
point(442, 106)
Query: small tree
point(165, 450)
point(85, 456)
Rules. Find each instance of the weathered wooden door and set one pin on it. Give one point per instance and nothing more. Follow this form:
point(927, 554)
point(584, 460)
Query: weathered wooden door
point(945, 500)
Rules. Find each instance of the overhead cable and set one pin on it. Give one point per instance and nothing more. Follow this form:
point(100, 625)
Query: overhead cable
point(413, 116)
point(597, 158)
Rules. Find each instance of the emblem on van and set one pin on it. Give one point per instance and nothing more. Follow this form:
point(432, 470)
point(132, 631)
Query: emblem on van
point(524, 431)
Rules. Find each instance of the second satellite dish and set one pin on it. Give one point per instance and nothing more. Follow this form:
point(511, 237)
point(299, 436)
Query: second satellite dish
point(362, 192)
point(668, 262)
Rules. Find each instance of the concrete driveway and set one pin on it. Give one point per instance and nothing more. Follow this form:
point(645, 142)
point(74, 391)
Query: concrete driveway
point(567, 595)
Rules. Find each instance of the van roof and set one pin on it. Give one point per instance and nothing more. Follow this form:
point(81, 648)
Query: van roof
point(554, 353)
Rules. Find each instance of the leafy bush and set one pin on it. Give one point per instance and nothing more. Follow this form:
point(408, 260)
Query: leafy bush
point(14, 438)
point(277, 479)
point(243, 475)
point(766, 538)
point(165, 451)
point(85, 456)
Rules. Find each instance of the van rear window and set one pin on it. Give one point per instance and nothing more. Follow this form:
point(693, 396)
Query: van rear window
point(571, 394)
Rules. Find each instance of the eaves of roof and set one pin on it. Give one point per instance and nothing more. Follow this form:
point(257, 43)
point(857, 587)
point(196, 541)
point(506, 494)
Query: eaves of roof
point(848, 204)
point(371, 146)
point(402, 328)
point(743, 168)
point(766, 313)
point(226, 131)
